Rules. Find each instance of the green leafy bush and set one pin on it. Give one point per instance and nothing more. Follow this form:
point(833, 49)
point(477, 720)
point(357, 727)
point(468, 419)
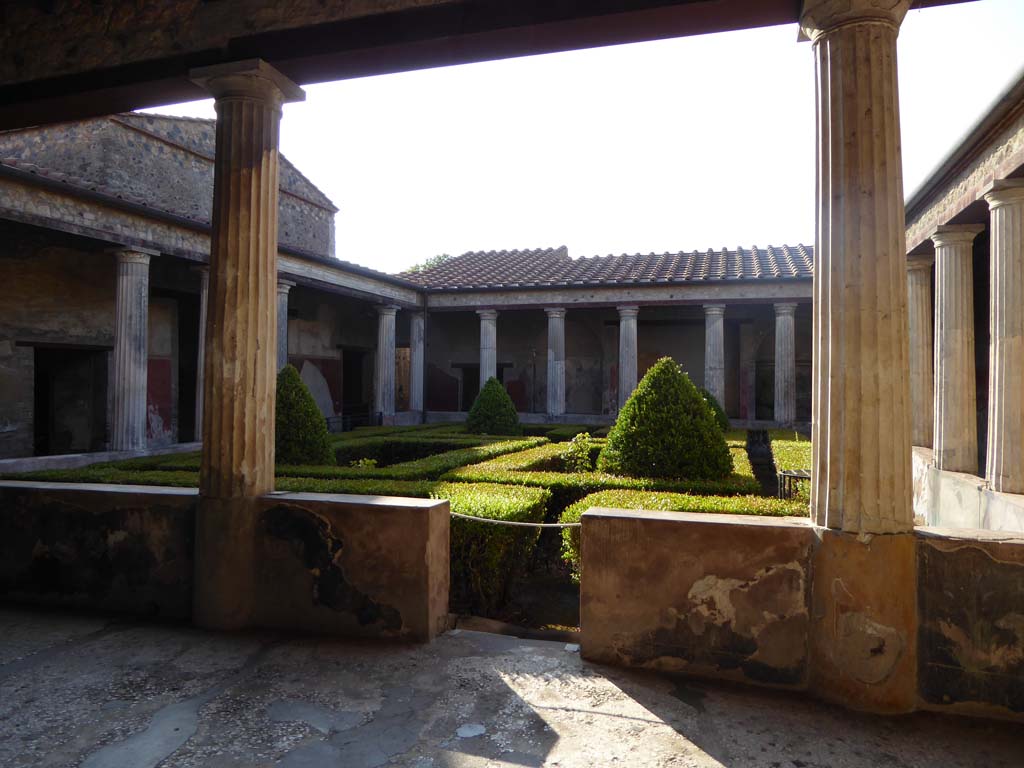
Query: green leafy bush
point(716, 408)
point(301, 435)
point(576, 455)
point(666, 429)
point(668, 502)
point(493, 412)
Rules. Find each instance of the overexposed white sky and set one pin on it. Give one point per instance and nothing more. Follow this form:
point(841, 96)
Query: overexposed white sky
point(691, 143)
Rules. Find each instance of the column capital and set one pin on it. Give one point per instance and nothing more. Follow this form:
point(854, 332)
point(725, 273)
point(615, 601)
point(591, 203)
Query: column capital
point(920, 262)
point(488, 314)
point(956, 234)
point(555, 312)
point(819, 17)
point(248, 79)
point(284, 286)
point(785, 308)
point(1004, 192)
point(710, 310)
point(127, 254)
point(629, 310)
point(387, 310)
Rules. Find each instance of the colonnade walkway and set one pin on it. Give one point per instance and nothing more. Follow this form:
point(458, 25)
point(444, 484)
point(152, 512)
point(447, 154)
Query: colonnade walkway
point(85, 691)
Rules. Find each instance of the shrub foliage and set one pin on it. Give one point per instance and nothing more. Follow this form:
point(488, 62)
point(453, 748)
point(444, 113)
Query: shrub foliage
point(300, 429)
point(666, 429)
point(717, 409)
point(493, 412)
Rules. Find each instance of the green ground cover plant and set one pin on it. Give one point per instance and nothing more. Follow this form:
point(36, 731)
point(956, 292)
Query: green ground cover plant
point(300, 431)
point(666, 429)
point(668, 502)
point(790, 449)
point(493, 412)
point(716, 409)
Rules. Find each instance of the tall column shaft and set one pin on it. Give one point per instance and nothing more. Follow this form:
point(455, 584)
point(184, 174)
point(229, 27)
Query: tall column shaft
point(922, 355)
point(384, 381)
point(417, 360)
point(131, 344)
point(284, 287)
point(627, 352)
point(1005, 457)
point(241, 339)
point(785, 363)
point(956, 400)
point(861, 398)
point(204, 291)
point(556, 362)
point(714, 351)
point(488, 345)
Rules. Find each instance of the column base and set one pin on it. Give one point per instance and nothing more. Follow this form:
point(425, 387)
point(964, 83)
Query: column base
point(225, 563)
point(863, 641)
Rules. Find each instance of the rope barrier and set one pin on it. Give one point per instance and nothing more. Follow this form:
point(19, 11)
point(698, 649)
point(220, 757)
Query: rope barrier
point(514, 523)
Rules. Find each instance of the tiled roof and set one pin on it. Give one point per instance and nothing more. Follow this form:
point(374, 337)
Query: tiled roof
point(545, 267)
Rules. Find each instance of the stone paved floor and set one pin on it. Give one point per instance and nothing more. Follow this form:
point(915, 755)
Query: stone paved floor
point(92, 692)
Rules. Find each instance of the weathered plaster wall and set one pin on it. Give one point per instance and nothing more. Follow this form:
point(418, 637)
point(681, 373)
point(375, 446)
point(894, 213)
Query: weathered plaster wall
point(716, 595)
point(353, 565)
point(971, 632)
point(959, 500)
point(123, 548)
point(452, 338)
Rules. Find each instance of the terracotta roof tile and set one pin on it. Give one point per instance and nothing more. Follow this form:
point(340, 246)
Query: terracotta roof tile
point(539, 267)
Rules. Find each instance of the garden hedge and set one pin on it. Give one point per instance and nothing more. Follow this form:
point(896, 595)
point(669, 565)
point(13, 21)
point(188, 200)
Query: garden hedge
point(668, 502)
point(666, 429)
point(300, 430)
point(493, 412)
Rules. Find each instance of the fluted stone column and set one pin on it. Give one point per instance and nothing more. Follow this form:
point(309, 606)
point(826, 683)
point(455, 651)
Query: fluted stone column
point(785, 363)
point(714, 351)
point(863, 622)
point(956, 400)
point(417, 360)
point(1005, 456)
point(204, 291)
point(384, 381)
point(861, 397)
point(488, 345)
point(627, 352)
point(131, 344)
point(283, 288)
point(241, 337)
point(556, 362)
point(922, 353)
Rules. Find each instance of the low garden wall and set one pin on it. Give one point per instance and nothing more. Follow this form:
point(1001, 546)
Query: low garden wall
point(959, 500)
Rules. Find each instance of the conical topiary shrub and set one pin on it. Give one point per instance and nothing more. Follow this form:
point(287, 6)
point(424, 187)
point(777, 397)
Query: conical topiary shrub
point(666, 429)
point(300, 429)
point(493, 412)
point(716, 408)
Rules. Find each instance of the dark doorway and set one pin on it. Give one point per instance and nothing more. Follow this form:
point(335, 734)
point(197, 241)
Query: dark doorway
point(188, 361)
point(355, 403)
point(70, 410)
point(470, 386)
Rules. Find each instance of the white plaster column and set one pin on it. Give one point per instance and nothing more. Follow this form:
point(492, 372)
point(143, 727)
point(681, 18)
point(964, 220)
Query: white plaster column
point(241, 338)
point(785, 363)
point(131, 344)
point(861, 398)
point(204, 291)
point(956, 400)
point(384, 381)
point(488, 345)
point(283, 288)
point(714, 351)
point(627, 352)
point(556, 362)
point(417, 361)
point(922, 354)
point(1005, 457)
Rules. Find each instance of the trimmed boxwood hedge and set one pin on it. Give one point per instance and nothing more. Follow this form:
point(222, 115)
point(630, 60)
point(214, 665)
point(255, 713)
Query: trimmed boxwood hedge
point(300, 431)
point(567, 488)
point(493, 412)
point(668, 502)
